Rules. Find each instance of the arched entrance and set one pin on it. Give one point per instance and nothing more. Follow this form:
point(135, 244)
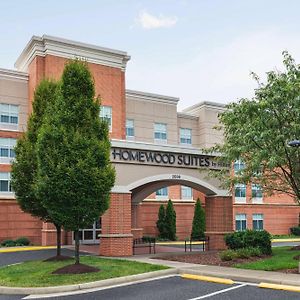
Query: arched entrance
point(136, 180)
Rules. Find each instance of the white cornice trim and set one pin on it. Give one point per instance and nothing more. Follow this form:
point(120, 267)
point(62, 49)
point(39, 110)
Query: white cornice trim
point(205, 104)
point(12, 74)
point(41, 46)
point(186, 116)
point(143, 96)
point(158, 147)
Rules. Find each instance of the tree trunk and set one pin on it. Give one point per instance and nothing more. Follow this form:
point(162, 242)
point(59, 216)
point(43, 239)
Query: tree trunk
point(58, 240)
point(76, 235)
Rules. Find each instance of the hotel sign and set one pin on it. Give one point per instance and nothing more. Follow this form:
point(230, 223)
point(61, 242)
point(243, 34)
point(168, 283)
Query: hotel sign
point(161, 158)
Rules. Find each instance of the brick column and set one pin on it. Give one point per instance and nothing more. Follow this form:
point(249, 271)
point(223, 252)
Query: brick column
point(49, 235)
point(219, 220)
point(116, 236)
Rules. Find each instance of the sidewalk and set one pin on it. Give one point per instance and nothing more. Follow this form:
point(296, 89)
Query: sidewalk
point(226, 272)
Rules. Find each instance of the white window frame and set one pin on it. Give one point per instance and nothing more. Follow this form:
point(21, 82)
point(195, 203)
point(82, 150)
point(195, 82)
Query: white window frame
point(186, 193)
point(11, 111)
point(7, 144)
point(130, 137)
point(238, 166)
point(6, 176)
point(243, 219)
point(186, 135)
point(161, 129)
point(105, 117)
point(163, 196)
point(256, 188)
point(239, 199)
point(258, 219)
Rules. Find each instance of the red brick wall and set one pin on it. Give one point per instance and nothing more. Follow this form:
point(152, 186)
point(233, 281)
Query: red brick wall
point(15, 223)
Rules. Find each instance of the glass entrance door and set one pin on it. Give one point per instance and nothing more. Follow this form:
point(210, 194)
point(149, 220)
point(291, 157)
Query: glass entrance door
point(90, 235)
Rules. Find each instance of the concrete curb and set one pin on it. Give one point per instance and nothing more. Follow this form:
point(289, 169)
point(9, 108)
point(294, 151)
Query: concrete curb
point(88, 285)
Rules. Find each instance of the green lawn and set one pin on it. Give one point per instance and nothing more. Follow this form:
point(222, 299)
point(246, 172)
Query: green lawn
point(38, 273)
point(282, 259)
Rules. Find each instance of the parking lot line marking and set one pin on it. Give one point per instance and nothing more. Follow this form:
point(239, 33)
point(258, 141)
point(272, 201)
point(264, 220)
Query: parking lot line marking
point(283, 287)
point(219, 292)
point(207, 278)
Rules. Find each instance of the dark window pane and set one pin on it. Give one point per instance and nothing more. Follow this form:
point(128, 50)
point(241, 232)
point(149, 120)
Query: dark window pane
point(3, 185)
point(4, 152)
point(4, 118)
point(14, 120)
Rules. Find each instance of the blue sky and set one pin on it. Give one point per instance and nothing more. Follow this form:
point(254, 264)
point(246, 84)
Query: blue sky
point(195, 50)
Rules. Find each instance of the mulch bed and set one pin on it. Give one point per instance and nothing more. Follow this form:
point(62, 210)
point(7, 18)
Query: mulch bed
point(58, 258)
point(213, 258)
point(76, 269)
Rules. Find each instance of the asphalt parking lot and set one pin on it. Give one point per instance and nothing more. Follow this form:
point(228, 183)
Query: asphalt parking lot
point(175, 288)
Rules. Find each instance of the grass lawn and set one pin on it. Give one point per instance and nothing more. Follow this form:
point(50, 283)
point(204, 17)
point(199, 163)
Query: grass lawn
point(282, 259)
point(38, 273)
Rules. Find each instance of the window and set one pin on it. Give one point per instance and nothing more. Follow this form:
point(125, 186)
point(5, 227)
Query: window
point(186, 192)
point(240, 222)
point(5, 182)
point(9, 116)
point(7, 152)
point(129, 129)
point(185, 136)
point(257, 195)
point(106, 115)
point(258, 221)
point(240, 193)
point(160, 133)
point(238, 166)
point(162, 193)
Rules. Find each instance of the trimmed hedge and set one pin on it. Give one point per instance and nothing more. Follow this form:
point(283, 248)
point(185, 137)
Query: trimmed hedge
point(250, 238)
point(22, 241)
point(295, 230)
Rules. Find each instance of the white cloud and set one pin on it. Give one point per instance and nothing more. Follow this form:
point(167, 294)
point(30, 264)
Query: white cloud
point(148, 21)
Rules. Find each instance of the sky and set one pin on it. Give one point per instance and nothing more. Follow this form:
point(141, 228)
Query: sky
point(201, 50)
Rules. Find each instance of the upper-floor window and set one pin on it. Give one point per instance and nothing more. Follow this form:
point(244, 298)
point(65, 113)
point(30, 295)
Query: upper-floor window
point(186, 192)
point(9, 116)
point(240, 222)
point(258, 221)
point(162, 193)
point(238, 166)
point(129, 129)
point(5, 185)
point(240, 193)
point(106, 115)
point(185, 136)
point(7, 152)
point(160, 133)
point(257, 194)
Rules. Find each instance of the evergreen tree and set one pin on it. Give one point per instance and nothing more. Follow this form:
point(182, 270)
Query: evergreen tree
point(170, 221)
point(198, 229)
point(75, 175)
point(161, 222)
point(24, 167)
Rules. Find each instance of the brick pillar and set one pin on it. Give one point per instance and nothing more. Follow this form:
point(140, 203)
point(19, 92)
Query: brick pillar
point(49, 235)
point(116, 236)
point(219, 220)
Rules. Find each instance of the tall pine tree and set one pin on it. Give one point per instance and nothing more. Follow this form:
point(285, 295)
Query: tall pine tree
point(198, 229)
point(161, 222)
point(170, 222)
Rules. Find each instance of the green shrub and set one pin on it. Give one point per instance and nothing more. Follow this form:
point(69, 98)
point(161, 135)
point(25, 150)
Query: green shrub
point(148, 239)
point(250, 238)
point(8, 243)
point(161, 222)
point(22, 241)
point(170, 221)
point(295, 230)
point(198, 229)
point(228, 255)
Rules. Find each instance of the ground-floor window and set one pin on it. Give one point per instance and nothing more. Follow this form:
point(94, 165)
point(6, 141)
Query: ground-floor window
point(240, 222)
point(5, 185)
point(258, 221)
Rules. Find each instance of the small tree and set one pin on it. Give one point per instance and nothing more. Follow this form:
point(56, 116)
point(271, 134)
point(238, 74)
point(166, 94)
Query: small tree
point(170, 221)
point(24, 168)
point(161, 222)
point(75, 174)
point(198, 229)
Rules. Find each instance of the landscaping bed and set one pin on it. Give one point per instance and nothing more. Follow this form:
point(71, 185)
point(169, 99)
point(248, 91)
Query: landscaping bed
point(283, 259)
point(40, 273)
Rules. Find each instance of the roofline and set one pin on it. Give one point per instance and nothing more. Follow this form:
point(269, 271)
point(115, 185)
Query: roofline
point(13, 74)
point(196, 106)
